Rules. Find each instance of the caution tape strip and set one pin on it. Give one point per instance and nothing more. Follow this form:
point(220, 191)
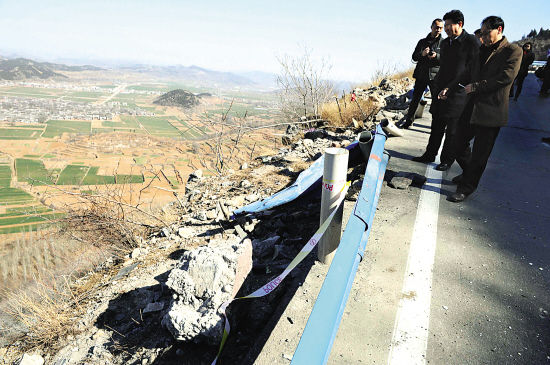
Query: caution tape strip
point(270, 286)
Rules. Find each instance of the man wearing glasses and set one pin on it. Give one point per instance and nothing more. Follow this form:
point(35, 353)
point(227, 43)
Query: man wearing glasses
point(499, 63)
point(458, 51)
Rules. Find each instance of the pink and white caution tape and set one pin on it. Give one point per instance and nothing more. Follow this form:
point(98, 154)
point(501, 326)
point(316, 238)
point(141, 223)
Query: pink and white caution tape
point(269, 287)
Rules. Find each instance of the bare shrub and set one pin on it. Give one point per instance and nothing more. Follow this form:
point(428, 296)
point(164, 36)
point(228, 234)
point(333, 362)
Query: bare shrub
point(387, 70)
point(304, 87)
point(342, 111)
point(112, 215)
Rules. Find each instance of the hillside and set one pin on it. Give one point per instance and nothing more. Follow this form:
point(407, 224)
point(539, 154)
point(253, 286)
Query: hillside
point(22, 68)
point(123, 316)
point(178, 98)
point(541, 43)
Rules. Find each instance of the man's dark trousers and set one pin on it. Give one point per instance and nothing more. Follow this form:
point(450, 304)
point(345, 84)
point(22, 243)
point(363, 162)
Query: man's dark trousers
point(484, 141)
point(419, 87)
point(518, 83)
point(458, 137)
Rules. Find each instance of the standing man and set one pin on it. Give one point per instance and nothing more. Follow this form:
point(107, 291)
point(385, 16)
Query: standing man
point(499, 63)
point(458, 51)
point(546, 78)
point(426, 54)
point(526, 60)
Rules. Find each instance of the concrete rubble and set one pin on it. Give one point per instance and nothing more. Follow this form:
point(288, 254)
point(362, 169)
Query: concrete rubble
point(205, 278)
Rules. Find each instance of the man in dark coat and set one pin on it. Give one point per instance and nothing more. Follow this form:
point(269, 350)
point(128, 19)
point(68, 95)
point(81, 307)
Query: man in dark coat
point(546, 78)
point(526, 60)
point(426, 54)
point(499, 63)
point(458, 51)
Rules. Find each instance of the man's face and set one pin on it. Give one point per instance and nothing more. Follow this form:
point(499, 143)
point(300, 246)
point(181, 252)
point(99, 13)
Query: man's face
point(437, 27)
point(453, 30)
point(490, 36)
point(527, 47)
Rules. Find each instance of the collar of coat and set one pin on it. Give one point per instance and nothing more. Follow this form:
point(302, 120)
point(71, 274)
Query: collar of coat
point(460, 38)
point(496, 48)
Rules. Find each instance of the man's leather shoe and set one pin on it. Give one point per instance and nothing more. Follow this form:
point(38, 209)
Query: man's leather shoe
point(424, 158)
point(456, 197)
point(457, 179)
point(406, 124)
point(443, 166)
point(545, 139)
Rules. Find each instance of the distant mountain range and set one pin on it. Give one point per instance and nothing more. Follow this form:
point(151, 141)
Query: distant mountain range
point(205, 77)
point(23, 68)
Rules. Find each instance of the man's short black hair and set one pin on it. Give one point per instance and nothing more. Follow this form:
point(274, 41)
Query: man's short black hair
point(437, 20)
point(477, 32)
point(528, 43)
point(455, 16)
point(493, 22)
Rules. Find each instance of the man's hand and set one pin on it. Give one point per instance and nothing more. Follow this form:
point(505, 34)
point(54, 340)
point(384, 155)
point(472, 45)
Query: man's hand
point(432, 55)
point(425, 51)
point(443, 94)
point(469, 88)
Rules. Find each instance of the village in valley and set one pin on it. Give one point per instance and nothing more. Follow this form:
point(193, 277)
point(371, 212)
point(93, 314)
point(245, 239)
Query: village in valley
point(85, 132)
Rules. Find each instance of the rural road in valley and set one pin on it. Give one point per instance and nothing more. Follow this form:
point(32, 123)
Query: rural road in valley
point(116, 91)
point(449, 283)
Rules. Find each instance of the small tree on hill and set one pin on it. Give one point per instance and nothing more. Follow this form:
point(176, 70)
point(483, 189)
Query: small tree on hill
point(303, 86)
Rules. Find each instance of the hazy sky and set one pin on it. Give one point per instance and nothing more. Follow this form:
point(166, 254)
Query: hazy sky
point(356, 36)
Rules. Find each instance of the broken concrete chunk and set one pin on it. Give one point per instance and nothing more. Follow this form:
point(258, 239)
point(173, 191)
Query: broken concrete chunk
point(186, 232)
point(211, 214)
point(202, 281)
point(400, 182)
point(27, 359)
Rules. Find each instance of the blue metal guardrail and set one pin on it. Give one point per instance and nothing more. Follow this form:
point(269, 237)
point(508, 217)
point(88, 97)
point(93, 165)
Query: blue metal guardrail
point(320, 331)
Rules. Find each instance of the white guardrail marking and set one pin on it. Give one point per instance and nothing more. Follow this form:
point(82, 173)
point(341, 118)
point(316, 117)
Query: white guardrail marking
point(410, 335)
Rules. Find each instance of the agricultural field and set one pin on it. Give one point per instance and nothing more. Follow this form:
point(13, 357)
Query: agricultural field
point(33, 172)
point(56, 128)
point(72, 175)
point(5, 176)
point(18, 209)
point(20, 133)
point(159, 126)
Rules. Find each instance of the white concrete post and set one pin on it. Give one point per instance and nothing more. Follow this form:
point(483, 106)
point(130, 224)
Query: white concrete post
point(334, 178)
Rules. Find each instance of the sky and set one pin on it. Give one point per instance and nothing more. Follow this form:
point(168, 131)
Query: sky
point(356, 37)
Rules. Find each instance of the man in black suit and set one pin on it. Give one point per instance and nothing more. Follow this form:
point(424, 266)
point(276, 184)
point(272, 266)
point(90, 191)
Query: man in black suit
point(426, 54)
point(458, 51)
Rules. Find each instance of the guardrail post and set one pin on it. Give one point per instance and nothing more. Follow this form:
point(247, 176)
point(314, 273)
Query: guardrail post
point(334, 179)
point(322, 325)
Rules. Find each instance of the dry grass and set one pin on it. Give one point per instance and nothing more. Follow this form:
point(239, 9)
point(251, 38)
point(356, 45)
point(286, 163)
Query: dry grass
point(340, 112)
point(387, 71)
point(35, 254)
point(47, 311)
point(40, 272)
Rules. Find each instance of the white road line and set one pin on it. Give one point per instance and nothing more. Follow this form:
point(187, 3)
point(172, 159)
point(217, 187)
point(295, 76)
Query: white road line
point(410, 334)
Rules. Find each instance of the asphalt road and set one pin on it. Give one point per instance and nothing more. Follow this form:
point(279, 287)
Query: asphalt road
point(482, 283)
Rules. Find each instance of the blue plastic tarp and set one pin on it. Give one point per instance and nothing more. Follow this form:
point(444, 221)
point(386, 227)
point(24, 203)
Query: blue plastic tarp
point(307, 180)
